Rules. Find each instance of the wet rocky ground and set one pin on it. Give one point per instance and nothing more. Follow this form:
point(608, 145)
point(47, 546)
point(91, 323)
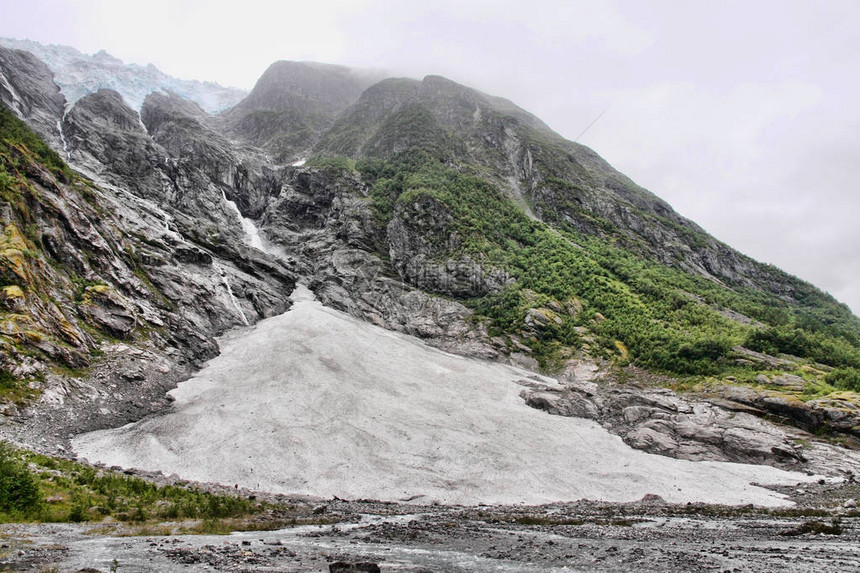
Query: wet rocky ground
point(820, 533)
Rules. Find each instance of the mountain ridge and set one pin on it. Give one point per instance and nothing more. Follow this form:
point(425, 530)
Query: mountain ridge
point(435, 210)
point(78, 74)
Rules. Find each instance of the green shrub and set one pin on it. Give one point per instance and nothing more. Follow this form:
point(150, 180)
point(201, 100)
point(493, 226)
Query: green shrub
point(844, 379)
point(335, 163)
point(13, 131)
point(19, 491)
point(6, 180)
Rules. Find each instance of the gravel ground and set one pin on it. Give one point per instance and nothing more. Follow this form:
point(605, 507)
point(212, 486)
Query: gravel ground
point(819, 534)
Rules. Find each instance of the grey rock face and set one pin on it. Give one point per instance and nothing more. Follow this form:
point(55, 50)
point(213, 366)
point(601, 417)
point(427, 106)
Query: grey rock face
point(293, 103)
point(839, 414)
point(106, 137)
point(661, 422)
point(28, 89)
point(424, 251)
point(326, 224)
point(109, 311)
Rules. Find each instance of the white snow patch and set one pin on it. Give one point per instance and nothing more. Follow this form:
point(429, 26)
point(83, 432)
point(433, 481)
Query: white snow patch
point(316, 402)
point(302, 294)
point(299, 163)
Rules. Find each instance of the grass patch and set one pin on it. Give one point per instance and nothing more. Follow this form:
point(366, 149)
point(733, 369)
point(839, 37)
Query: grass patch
point(39, 488)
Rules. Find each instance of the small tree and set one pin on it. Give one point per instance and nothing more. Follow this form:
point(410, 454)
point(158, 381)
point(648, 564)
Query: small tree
point(19, 491)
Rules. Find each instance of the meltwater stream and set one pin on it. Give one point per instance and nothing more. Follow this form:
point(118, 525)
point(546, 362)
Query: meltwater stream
point(316, 402)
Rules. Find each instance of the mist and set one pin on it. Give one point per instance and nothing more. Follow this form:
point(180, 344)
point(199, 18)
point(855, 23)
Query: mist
point(740, 115)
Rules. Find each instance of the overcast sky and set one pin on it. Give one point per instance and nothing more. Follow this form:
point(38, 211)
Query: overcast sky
point(743, 115)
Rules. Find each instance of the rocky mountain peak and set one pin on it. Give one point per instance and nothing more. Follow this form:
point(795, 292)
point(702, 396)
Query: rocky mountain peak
point(27, 84)
point(293, 103)
point(107, 108)
point(288, 84)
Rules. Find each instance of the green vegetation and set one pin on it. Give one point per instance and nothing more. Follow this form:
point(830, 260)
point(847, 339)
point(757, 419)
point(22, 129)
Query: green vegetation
point(19, 492)
point(34, 487)
point(38, 488)
point(14, 133)
point(617, 304)
point(844, 379)
point(14, 390)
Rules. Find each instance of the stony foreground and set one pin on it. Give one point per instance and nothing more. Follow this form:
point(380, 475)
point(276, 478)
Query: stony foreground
point(583, 536)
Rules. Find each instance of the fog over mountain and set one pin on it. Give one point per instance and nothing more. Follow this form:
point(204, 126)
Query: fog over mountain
point(754, 138)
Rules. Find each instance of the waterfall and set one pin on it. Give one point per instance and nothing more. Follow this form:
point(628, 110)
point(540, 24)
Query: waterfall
point(233, 298)
point(16, 104)
point(252, 234)
point(63, 139)
point(143, 125)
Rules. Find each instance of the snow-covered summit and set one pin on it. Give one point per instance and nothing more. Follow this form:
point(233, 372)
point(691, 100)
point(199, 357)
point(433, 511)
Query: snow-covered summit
point(78, 74)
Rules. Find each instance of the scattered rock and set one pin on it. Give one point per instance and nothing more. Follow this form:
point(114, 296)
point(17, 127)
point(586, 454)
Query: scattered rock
point(813, 527)
point(341, 567)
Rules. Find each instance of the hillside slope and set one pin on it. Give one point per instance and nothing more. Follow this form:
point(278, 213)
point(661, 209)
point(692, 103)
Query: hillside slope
point(104, 305)
point(435, 210)
point(462, 179)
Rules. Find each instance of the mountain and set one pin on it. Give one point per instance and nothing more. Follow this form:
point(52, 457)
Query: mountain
point(293, 103)
point(556, 181)
point(79, 74)
point(425, 207)
point(99, 285)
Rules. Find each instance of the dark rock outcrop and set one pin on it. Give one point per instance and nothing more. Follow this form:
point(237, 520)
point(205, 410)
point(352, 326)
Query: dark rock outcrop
point(105, 137)
point(325, 222)
point(27, 88)
point(659, 421)
point(426, 251)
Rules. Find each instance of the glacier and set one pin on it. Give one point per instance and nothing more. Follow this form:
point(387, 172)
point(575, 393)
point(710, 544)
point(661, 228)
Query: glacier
point(78, 74)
